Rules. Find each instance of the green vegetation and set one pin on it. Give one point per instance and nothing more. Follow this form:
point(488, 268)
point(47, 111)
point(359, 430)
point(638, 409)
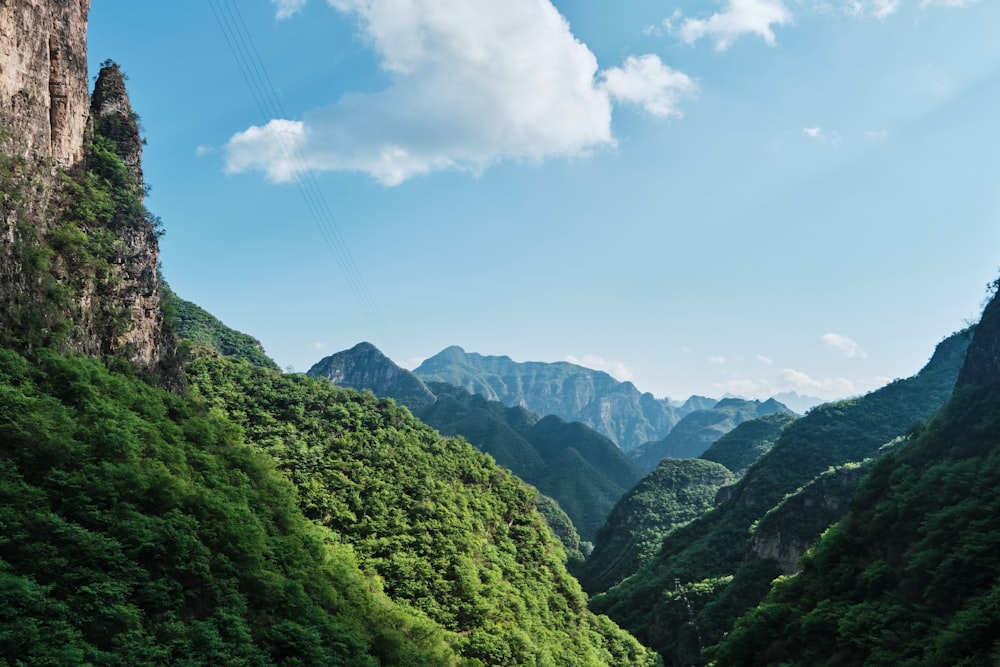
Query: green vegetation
point(741, 447)
point(910, 577)
point(697, 431)
point(577, 467)
point(444, 529)
point(670, 496)
point(197, 325)
point(138, 529)
point(716, 545)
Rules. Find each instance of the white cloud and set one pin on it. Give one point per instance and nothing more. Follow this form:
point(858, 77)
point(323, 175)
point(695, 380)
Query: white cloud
point(203, 149)
point(718, 361)
point(288, 8)
point(825, 388)
point(619, 370)
point(844, 345)
point(646, 82)
point(470, 84)
point(813, 132)
point(879, 9)
point(745, 387)
point(740, 17)
point(318, 346)
point(876, 135)
point(765, 360)
point(272, 148)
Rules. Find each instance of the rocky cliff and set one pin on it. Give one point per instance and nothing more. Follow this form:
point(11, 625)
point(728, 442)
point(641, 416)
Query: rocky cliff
point(43, 79)
point(78, 250)
point(615, 409)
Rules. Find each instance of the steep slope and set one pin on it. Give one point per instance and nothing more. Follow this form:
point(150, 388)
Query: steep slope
point(580, 469)
point(196, 325)
point(673, 494)
point(447, 531)
point(615, 409)
point(79, 249)
point(910, 576)
point(741, 447)
point(139, 529)
point(365, 367)
point(708, 553)
point(696, 432)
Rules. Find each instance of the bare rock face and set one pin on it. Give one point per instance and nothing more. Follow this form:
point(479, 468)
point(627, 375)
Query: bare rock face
point(43, 79)
point(78, 250)
point(112, 116)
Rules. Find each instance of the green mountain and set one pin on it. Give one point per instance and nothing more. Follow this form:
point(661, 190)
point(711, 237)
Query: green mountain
point(696, 432)
point(909, 577)
point(583, 471)
point(741, 447)
point(196, 325)
point(615, 409)
point(670, 496)
point(709, 556)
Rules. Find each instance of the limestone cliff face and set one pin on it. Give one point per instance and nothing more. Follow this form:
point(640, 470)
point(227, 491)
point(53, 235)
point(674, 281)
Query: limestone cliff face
point(78, 251)
point(43, 79)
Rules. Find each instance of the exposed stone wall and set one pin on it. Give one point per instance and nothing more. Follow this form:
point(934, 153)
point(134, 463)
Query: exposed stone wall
point(44, 96)
point(71, 276)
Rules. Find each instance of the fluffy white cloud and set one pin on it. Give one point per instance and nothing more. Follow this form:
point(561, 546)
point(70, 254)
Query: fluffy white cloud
point(813, 132)
point(844, 345)
point(825, 387)
point(646, 82)
point(740, 17)
point(765, 360)
point(471, 83)
point(617, 369)
point(287, 8)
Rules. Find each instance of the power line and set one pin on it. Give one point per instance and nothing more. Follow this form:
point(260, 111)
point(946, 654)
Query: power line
point(251, 65)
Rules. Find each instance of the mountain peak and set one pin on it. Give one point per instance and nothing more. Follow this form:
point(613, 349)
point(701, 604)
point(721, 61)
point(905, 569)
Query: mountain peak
point(364, 367)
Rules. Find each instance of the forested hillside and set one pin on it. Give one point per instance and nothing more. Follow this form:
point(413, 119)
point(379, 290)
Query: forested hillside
point(582, 470)
point(140, 529)
point(910, 576)
point(710, 555)
point(445, 529)
point(698, 430)
point(741, 447)
point(670, 496)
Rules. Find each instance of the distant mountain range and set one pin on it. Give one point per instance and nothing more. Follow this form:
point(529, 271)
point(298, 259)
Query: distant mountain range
point(615, 409)
point(584, 471)
point(697, 431)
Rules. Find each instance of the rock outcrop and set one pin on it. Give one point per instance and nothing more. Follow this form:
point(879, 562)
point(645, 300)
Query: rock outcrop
point(43, 79)
point(78, 251)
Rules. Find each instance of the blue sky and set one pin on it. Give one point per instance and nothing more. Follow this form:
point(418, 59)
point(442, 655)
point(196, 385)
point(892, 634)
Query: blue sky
point(747, 197)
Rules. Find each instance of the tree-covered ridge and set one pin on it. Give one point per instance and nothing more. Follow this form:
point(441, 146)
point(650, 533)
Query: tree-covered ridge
point(698, 430)
point(713, 549)
point(910, 577)
point(741, 447)
point(673, 494)
point(138, 529)
point(577, 467)
point(195, 324)
point(446, 530)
